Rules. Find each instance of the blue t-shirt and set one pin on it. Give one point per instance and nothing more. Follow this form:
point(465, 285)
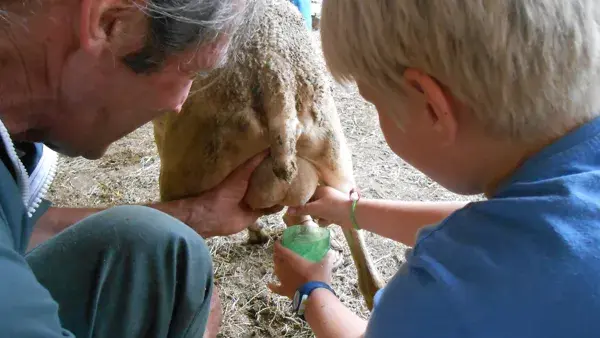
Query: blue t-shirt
point(304, 8)
point(525, 263)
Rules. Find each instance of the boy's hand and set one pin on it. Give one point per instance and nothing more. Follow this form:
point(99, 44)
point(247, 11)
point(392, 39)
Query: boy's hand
point(293, 271)
point(328, 205)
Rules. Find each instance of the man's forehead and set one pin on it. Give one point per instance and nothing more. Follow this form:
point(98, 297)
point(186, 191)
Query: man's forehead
point(203, 58)
point(195, 29)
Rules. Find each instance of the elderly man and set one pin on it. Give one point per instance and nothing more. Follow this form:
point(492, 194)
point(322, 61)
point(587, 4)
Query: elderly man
point(76, 76)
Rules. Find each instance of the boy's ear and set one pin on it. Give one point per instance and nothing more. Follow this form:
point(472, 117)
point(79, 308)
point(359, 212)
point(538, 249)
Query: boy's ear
point(110, 24)
point(439, 108)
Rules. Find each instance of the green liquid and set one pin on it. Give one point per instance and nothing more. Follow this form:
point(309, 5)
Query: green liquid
point(310, 242)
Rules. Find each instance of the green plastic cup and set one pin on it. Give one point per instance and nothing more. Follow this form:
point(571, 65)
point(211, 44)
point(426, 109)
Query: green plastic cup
point(310, 242)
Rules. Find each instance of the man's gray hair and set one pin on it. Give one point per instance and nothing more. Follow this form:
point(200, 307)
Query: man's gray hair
point(176, 25)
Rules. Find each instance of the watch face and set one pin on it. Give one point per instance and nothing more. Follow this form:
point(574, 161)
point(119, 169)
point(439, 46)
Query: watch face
point(296, 300)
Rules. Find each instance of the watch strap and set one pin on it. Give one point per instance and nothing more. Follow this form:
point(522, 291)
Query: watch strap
point(304, 291)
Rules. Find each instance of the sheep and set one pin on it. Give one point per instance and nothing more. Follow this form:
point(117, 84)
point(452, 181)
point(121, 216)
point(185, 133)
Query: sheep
point(271, 93)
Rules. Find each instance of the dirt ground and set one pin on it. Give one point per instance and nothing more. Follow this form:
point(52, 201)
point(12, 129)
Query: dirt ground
point(128, 174)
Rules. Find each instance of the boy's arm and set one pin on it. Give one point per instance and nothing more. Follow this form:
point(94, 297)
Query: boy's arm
point(399, 220)
point(328, 317)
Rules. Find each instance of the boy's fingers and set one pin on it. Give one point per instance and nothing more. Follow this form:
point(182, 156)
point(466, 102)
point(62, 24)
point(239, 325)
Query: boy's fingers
point(275, 288)
point(321, 191)
point(307, 209)
point(315, 206)
point(284, 254)
point(280, 251)
point(329, 259)
point(324, 222)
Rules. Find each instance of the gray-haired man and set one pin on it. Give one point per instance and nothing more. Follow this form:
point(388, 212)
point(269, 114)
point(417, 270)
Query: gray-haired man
point(77, 75)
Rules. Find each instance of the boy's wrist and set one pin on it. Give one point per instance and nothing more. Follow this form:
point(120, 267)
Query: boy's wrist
point(316, 299)
point(308, 291)
point(346, 220)
point(349, 208)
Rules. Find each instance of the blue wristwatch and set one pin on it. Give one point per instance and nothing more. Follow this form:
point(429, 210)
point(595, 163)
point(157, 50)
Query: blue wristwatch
point(301, 295)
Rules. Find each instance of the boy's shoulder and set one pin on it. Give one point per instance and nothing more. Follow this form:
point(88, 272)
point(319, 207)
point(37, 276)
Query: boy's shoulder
point(549, 208)
point(524, 263)
point(495, 270)
point(543, 223)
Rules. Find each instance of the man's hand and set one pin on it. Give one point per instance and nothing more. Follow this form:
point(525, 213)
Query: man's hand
point(293, 271)
point(221, 211)
point(218, 212)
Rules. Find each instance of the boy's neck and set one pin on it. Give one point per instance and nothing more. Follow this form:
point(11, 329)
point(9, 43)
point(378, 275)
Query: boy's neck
point(513, 156)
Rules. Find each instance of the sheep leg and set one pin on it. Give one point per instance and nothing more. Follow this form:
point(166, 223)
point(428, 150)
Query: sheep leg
point(340, 177)
point(369, 281)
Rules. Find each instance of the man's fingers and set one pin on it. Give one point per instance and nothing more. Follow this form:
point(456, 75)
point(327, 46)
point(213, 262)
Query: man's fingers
point(272, 210)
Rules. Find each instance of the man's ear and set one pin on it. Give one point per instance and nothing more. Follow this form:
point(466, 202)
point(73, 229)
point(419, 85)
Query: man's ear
point(104, 23)
point(441, 112)
point(91, 34)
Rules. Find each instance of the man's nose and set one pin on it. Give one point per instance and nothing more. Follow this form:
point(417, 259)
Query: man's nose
point(178, 109)
point(183, 95)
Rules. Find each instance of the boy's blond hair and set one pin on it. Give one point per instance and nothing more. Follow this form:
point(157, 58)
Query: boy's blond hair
point(528, 69)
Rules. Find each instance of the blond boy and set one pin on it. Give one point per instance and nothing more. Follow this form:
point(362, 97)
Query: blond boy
point(493, 97)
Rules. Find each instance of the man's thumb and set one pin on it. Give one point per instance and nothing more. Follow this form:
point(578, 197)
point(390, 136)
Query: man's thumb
point(244, 171)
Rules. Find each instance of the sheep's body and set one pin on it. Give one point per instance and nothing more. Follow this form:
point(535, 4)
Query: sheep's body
point(272, 95)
